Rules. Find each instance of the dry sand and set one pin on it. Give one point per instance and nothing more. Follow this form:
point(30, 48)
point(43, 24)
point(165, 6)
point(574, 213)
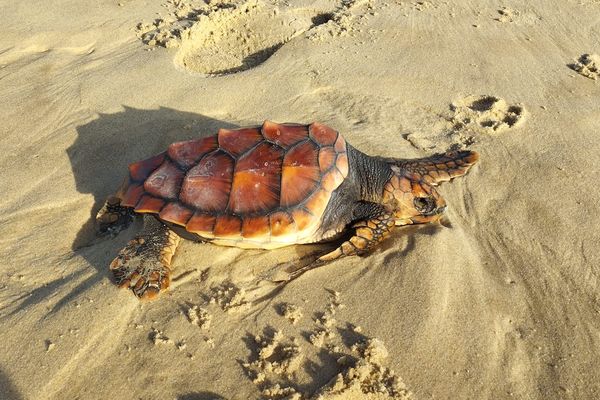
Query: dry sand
point(503, 303)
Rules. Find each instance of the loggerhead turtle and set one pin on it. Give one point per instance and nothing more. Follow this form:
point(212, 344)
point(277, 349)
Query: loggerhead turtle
point(267, 187)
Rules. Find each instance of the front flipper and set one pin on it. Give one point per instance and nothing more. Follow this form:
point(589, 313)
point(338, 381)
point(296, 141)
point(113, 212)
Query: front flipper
point(439, 168)
point(368, 234)
point(144, 265)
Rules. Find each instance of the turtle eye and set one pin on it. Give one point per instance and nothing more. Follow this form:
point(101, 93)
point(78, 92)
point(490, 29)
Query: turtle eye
point(424, 205)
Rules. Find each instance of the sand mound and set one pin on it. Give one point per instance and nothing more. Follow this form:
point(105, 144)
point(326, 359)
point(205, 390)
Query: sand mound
point(277, 360)
point(364, 377)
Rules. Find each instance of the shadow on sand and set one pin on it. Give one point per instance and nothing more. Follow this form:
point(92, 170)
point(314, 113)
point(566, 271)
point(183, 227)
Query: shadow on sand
point(201, 396)
point(7, 390)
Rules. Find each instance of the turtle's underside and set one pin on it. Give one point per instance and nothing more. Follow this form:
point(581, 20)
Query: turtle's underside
point(268, 187)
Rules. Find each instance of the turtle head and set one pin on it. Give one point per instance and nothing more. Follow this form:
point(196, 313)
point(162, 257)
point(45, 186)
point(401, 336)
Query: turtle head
point(411, 192)
point(412, 200)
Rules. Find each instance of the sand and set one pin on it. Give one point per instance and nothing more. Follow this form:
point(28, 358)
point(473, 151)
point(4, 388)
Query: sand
point(501, 301)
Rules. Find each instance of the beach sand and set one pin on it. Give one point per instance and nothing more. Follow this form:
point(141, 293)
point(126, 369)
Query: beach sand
point(502, 302)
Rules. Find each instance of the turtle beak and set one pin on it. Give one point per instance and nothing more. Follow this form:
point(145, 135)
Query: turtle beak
point(444, 221)
point(433, 216)
point(403, 222)
point(440, 218)
point(420, 219)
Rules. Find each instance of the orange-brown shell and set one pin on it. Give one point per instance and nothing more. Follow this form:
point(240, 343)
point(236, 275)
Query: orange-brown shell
point(260, 187)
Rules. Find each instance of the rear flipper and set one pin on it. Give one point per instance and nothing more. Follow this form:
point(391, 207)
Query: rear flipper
point(113, 217)
point(144, 265)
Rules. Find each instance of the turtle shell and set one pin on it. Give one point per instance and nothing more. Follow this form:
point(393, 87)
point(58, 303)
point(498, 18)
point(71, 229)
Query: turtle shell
point(258, 187)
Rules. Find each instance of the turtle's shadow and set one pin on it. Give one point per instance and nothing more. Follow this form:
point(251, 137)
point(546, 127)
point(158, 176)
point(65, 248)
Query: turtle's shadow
point(8, 389)
point(107, 145)
point(201, 396)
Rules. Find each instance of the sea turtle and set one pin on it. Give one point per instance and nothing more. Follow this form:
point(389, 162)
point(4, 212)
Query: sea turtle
point(266, 187)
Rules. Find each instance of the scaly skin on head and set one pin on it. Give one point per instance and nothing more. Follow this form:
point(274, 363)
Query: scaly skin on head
point(410, 193)
point(412, 200)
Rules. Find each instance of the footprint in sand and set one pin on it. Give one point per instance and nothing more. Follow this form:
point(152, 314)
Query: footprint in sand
point(510, 15)
point(236, 39)
point(587, 65)
point(241, 37)
point(223, 37)
point(486, 113)
point(470, 119)
point(227, 36)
